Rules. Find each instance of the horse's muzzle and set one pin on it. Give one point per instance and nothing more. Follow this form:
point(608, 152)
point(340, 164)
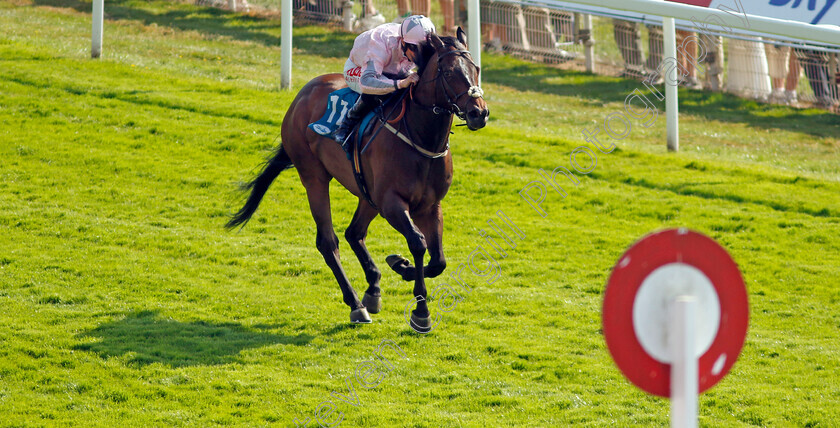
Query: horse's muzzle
point(477, 118)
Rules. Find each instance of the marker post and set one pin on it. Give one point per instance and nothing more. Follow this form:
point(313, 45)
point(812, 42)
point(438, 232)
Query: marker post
point(684, 365)
point(675, 317)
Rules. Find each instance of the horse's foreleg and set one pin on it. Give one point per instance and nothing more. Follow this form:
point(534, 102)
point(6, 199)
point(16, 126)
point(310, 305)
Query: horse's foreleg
point(431, 225)
point(395, 210)
point(355, 235)
point(318, 192)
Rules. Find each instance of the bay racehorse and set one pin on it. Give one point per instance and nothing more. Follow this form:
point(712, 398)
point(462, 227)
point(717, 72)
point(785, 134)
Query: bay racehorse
point(407, 169)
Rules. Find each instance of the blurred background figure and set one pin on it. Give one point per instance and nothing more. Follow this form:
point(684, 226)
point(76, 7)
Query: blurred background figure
point(687, 58)
point(629, 41)
point(424, 7)
point(371, 18)
point(746, 70)
point(780, 70)
point(713, 62)
point(792, 80)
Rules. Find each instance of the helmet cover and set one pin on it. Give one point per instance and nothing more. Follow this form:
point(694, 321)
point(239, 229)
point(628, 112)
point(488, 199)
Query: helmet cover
point(415, 28)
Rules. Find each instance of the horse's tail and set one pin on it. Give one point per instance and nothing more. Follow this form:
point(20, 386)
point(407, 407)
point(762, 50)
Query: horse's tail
point(276, 163)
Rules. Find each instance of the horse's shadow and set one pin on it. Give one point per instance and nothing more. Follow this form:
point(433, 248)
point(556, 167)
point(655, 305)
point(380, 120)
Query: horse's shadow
point(147, 338)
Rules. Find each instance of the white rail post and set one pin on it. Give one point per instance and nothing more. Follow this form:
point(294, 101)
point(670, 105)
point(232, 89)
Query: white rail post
point(684, 375)
point(96, 34)
point(232, 5)
point(671, 109)
point(286, 44)
point(474, 36)
point(589, 44)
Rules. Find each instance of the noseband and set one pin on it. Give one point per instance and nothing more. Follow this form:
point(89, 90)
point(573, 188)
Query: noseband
point(451, 107)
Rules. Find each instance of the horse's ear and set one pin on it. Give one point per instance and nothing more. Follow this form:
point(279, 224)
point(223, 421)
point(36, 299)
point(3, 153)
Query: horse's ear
point(462, 37)
point(437, 43)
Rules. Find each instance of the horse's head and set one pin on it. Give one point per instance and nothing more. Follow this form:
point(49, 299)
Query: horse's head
point(450, 78)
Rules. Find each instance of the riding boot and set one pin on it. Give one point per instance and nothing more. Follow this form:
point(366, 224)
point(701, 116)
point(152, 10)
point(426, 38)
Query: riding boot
point(363, 105)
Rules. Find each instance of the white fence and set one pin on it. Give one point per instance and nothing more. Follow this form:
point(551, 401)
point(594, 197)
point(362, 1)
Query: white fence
point(767, 59)
point(562, 32)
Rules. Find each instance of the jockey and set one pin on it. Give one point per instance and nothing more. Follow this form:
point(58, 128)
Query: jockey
point(391, 49)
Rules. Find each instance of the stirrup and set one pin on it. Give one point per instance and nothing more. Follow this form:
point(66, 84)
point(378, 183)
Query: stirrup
point(346, 145)
point(347, 133)
point(340, 140)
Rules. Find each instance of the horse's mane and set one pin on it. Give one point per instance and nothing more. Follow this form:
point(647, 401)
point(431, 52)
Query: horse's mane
point(427, 50)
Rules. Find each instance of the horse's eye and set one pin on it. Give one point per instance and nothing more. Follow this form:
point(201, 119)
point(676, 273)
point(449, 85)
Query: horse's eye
point(447, 74)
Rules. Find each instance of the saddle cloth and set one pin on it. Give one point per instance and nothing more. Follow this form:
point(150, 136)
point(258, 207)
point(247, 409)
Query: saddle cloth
point(339, 103)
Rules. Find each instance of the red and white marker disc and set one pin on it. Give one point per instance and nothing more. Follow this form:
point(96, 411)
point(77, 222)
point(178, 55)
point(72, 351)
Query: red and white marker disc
point(650, 274)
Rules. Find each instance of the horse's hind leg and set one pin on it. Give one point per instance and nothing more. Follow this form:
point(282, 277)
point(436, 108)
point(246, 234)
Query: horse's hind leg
point(318, 192)
point(355, 235)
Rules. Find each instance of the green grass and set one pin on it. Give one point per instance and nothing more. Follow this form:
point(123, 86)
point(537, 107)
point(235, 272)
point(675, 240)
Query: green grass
point(126, 303)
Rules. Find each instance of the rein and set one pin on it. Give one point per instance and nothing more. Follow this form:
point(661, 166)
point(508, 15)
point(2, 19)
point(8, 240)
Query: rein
point(452, 108)
point(401, 119)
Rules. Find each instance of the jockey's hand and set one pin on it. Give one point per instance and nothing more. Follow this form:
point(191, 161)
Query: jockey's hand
point(412, 78)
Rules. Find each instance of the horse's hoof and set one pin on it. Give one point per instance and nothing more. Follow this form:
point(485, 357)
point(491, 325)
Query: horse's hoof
point(360, 316)
point(395, 260)
point(373, 304)
point(421, 324)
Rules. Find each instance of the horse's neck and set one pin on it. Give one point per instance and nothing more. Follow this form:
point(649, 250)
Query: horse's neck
point(431, 131)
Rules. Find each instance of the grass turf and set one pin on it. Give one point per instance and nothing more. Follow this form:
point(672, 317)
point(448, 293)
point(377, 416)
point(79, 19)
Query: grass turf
point(124, 301)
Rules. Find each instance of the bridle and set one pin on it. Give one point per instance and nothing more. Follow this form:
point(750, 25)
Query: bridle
point(451, 107)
